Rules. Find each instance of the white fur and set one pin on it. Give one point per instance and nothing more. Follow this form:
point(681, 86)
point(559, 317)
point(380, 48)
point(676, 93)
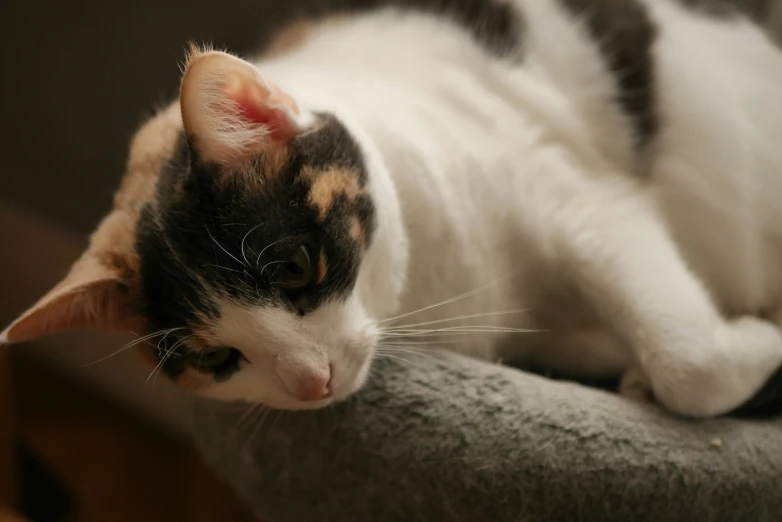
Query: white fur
point(285, 350)
point(482, 168)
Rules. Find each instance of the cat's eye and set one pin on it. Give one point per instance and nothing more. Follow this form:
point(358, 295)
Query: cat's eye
point(214, 358)
point(299, 271)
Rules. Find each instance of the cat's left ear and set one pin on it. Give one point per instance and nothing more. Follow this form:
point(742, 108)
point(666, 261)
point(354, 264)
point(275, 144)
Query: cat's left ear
point(230, 112)
point(90, 296)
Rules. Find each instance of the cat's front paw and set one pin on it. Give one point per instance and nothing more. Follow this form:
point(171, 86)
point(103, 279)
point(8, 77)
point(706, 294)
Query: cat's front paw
point(756, 338)
point(711, 377)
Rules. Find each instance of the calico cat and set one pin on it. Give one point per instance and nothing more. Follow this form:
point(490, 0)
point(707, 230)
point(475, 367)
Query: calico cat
point(592, 186)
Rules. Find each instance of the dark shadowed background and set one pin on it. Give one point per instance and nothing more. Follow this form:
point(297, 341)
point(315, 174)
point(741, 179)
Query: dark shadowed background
point(77, 79)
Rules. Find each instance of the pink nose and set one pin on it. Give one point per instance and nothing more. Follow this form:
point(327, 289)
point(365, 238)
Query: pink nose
point(314, 387)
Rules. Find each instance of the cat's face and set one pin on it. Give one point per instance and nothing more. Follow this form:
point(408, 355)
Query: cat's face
point(236, 242)
point(257, 264)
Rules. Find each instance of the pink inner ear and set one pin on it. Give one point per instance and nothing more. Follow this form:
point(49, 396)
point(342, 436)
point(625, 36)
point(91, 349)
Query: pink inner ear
point(260, 106)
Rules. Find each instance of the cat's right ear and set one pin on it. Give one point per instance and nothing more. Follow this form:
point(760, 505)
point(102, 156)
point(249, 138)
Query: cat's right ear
point(230, 112)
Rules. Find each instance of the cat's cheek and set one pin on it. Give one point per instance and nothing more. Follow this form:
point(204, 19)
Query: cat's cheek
point(350, 385)
point(248, 385)
point(351, 373)
point(194, 381)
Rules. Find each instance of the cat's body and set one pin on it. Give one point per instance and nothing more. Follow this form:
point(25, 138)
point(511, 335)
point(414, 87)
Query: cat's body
point(607, 173)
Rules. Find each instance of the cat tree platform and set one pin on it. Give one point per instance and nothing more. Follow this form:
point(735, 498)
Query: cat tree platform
point(457, 440)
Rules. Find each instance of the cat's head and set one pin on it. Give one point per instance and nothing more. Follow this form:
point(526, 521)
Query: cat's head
point(238, 242)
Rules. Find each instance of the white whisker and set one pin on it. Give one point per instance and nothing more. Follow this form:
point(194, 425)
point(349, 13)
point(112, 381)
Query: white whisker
point(258, 259)
point(271, 263)
point(459, 318)
point(226, 268)
point(165, 356)
point(436, 342)
point(454, 330)
point(261, 420)
point(474, 328)
point(410, 335)
point(223, 249)
point(253, 229)
point(391, 349)
point(421, 333)
point(133, 343)
point(171, 352)
point(276, 418)
point(389, 356)
point(449, 301)
point(249, 412)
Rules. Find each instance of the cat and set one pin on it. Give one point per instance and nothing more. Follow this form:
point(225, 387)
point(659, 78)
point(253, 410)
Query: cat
point(588, 186)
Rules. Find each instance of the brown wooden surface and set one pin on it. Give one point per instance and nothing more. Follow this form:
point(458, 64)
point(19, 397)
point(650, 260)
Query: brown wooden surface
point(119, 468)
point(7, 424)
point(10, 516)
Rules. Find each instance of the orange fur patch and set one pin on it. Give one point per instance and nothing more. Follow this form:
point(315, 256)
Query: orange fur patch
point(113, 242)
point(193, 380)
point(322, 267)
point(329, 184)
point(357, 232)
point(202, 337)
point(150, 149)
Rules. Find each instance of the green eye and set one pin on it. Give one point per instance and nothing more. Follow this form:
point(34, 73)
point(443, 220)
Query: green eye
point(213, 359)
point(299, 271)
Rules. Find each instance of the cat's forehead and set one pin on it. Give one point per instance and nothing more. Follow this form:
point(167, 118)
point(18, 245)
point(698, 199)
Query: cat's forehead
point(206, 234)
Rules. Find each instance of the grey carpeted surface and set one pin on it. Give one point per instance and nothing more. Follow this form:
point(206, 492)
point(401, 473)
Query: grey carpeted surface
point(452, 439)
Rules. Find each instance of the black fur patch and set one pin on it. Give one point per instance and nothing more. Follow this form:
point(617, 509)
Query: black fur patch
point(205, 234)
point(757, 10)
point(495, 24)
point(625, 35)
